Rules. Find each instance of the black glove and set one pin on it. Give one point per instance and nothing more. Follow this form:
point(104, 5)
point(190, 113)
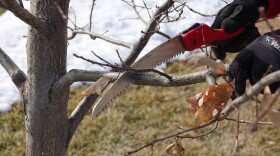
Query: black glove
point(239, 13)
point(253, 62)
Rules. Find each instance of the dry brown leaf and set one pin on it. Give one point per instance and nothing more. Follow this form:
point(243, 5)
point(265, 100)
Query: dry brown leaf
point(174, 149)
point(97, 87)
point(206, 105)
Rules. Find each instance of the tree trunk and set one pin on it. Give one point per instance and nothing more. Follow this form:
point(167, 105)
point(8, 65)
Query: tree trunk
point(46, 113)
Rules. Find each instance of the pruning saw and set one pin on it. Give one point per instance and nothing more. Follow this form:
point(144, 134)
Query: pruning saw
point(194, 37)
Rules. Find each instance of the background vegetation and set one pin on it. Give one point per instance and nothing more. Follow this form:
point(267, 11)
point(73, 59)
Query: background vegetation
point(142, 114)
point(1, 11)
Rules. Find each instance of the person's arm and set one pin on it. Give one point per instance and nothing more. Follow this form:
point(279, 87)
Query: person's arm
point(252, 63)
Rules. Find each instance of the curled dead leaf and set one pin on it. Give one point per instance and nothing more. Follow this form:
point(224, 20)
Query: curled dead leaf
point(174, 149)
point(206, 105)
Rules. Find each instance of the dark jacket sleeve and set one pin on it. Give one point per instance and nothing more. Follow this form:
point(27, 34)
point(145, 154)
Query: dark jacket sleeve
point(273, 9)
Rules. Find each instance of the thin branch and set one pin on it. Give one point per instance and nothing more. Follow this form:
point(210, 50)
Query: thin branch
point(169, 136)
point(79, 113)
point(18, 76)
point(236, 133)
point(95, 35)
point(178, 9)
point(91, 11)
point(248, 122)
point(257, 88)
point(201, 135)
point(134, 6)
point(150, 27)
point(163, 34)
point(25, 15)
point(224, 1)
point(124, 67)
point(268, 105)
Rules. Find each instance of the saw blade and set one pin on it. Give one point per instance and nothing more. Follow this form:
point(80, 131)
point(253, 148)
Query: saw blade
point(158, 55)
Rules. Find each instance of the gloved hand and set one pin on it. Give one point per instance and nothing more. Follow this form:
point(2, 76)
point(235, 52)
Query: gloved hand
point(239, 13)
point(253, 62)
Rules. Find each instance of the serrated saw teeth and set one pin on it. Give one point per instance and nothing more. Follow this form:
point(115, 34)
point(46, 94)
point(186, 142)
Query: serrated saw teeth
point(98, 108)
point(157, 56)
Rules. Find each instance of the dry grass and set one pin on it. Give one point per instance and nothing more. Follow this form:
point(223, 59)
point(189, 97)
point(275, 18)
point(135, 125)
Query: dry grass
point(1, 11)
point(142, 114)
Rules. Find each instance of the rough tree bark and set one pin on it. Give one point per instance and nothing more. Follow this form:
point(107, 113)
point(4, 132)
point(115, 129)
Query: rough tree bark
point(46, 113)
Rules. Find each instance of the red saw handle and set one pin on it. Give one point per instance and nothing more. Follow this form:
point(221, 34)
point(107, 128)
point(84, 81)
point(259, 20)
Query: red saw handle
point(201, 34)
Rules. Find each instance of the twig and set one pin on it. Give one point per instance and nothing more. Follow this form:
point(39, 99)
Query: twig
point(100, 58)
point(163, 34)
point(224, 1)
point(120, 58)
point(236, 133)
point(248, 122)
point(150, 27)
point(201, 135)
point(179, 9)
point(95, 35)
point(79, 113)
point(124, 68)
point(147, 9)
point(268, 107)
point(91, 11)
point(168, 137)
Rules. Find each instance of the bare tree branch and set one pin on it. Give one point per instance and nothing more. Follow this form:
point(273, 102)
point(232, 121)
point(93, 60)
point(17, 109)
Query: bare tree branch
point(95, 35)
point(248, 122)
point(210, 79)
point(201, 135)
point(24, 15)
point(91, 11)
point(257, 88)
point(79, 113)
point(149, 79)
point(18, 77)
point(81, 75)
point(150, 30)
point(268, 103)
